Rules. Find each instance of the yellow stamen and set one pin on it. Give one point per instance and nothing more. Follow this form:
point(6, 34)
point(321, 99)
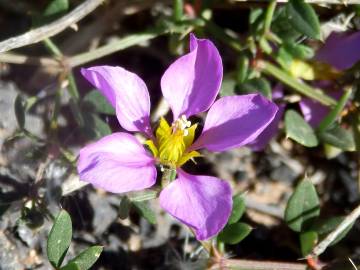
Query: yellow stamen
point(173, 141)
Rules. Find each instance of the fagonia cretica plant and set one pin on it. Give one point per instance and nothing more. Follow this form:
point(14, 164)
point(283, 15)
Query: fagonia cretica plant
point(119, 163)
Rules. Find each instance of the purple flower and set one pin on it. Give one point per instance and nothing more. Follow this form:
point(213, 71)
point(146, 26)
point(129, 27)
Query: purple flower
point(119, 163)
point(272, 129)
point(314, 112)
point(341, 50)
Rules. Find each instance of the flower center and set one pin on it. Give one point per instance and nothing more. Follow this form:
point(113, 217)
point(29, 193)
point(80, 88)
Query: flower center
point(173, 141)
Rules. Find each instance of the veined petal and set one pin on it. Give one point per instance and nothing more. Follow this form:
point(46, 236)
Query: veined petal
point(234, 121)
point(127, 93)
point(191, 84)
point(269, 132)
point(202, 202)
point(341, 50)
point(117, 163)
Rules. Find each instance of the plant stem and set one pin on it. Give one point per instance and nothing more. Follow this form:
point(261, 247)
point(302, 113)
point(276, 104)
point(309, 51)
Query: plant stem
point(335, 112)
point(296, 85)
point(51, 46)
point(114, 46)
point(178, 10)
point(268, 16)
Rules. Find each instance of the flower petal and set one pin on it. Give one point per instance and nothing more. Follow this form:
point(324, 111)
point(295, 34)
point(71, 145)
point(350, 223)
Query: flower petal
point(234, 121)
point(313, 111)
point(202, 202)
point(341, 50)
point(269, 132)
point(126, 92)
point(191, 84)
point(117, 163)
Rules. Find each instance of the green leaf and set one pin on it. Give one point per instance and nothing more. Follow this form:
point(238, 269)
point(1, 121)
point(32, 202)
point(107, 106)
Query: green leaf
point(299, 130)
point(145, 211)
point(227, 86)
point(124, 208)
point(257, 85)
point(308, 240)
point(87, 257)
point(238, 209)
point(299, 51)
point(326, 226)
point(56, 7)
point(19, 111)
point(242, 69)
point(234, 233)
point(59, 239)
point(339, 137)
point(70, 266)
point(302, 206)
point(303, 18)
point(95, 127)
point(98, 102)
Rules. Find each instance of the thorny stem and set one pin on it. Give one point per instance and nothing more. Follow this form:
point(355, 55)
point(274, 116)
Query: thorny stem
point(296, 85)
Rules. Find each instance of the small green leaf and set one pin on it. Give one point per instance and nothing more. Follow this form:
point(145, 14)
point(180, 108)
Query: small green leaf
point(257, 85)
point(339, 137)
point(302, 206)
point(124, 208)
point(20, 111)
point(299, 51)
point(308, 240)
point(70, 266)
point(98, 102)
point(87, 257)
point(234, 233)
point(242, 69)
point(56, 7)
point(59, 239)
point(303, 18)
point(299, 130)
point(145, 211)
point(238, 209)
point(326, 226)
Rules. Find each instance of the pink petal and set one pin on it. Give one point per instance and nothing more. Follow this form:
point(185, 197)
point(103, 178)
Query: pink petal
point(117, 163)
point(127, 92)
point(191, 84)
point(269, 132)
point(234, 121)
point(341, 50)
point(201, 202)
point(313, 111)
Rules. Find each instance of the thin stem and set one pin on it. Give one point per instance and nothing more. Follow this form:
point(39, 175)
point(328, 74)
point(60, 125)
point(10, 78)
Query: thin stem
point(335, 112)
point(51, 29)
point(178, 10)
point(268, 16)
point(28, 60)
point(296, 85)
point(257, 265)
point(114, 46)
point(51, 46)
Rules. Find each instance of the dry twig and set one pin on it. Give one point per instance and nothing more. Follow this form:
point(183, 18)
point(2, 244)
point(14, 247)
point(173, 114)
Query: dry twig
point(39, 34)
point(321, 247)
